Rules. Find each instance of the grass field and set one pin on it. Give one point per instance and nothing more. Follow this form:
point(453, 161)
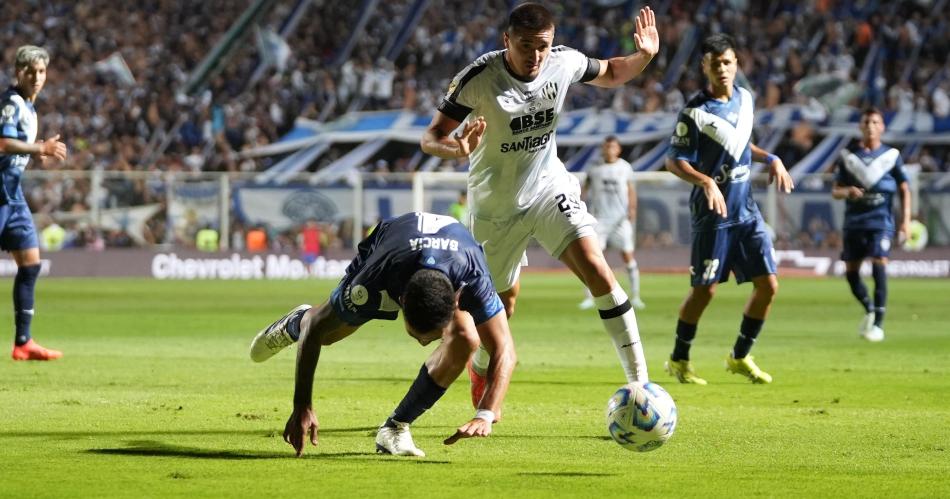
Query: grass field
point(156, 397)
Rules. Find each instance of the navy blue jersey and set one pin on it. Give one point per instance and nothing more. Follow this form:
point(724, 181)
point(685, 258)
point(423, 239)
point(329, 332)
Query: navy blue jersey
point(878, 172)
point(396, 249)
point(715, 137)
point(17, 121)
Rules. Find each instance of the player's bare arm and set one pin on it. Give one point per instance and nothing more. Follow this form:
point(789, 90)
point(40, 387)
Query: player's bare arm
point(903, 228)
point(682, 169)
point(327, 329)
point(50, 147)
point(632, 201)
point(440, 138)
point(495, 335)
point(777, 171)
point(617, 71)
point(839, 191)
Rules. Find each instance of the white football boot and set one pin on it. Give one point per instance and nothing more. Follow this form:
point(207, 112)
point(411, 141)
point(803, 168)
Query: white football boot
point(273, 338)
point(397, 441)
point(866, 324)
point(874, 335)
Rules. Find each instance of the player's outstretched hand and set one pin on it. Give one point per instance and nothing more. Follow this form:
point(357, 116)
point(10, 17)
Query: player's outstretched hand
point(470, 136)
point(714, 199)
point(300, 423)
point(778, 174)
point(647, 37)
point(53, 147)
point(475, 428)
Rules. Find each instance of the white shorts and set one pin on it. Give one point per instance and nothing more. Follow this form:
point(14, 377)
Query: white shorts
point(555, 219)
point(617, 233)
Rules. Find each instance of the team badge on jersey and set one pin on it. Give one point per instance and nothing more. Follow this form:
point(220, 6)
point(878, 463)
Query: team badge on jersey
point(681, 137)
point(7, 113)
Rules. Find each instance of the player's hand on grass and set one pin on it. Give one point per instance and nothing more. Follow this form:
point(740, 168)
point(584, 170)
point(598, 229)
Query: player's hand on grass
point(470, 136)
point(302, 422)
point(779, 175)
point(53, 147)
point(477, 427)
point(714, 199)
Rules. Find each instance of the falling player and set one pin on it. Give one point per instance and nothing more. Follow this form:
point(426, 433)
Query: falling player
point(430, 267)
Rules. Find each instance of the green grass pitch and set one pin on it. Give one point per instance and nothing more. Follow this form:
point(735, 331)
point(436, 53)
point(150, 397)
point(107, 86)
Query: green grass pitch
point(156, 398)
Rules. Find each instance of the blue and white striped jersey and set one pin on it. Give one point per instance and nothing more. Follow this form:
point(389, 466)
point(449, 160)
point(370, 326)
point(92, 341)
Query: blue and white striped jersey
point(715, 137)
point(878, 172)
point(17, 121)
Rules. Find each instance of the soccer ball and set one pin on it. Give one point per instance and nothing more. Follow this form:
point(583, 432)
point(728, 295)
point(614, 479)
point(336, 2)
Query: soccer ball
point(641, 416)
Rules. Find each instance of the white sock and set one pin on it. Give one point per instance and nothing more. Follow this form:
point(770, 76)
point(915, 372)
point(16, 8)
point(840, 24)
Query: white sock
point(633, 271)
point(480, 360)
point(623, 331)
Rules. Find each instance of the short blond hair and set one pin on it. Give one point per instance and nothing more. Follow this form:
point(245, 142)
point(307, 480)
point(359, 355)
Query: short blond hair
point(26, 55)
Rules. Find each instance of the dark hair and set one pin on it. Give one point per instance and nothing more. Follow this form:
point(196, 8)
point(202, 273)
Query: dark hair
point(611, 138)
point(872, 110)
point(429, 300)
point(531, 17)
point(718, 44)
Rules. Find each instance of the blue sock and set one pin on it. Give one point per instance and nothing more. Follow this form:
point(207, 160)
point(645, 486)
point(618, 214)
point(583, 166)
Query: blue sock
point(24, 286)
point(422, 395)
point(748, 331)
point(684, 339)
point(858, 289)
point(879, 273)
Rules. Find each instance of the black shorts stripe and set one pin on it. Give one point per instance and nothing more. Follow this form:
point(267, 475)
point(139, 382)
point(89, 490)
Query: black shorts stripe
point(616, 311)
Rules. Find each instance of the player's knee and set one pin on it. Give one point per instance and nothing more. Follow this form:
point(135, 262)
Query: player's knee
point(702, 294)
point(767, 289)
point(510, 308)
point(508, 299)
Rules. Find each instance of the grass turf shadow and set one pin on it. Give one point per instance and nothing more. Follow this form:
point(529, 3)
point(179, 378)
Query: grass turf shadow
point(151, 448)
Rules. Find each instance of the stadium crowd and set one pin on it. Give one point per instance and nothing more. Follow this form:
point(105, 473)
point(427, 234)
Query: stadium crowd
point(138, 119)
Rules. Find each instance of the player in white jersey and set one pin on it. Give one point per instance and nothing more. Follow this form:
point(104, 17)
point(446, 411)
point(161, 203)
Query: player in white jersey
point(18, 130)
point(612, 198)
point(518, 188)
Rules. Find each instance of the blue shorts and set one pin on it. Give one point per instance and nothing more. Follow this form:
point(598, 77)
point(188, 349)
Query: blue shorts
point(16, 228)
point(866, 243)
point(745, 250)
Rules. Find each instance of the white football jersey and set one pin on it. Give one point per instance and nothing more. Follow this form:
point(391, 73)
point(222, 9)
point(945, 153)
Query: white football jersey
point(607, 193)
point(518, 151)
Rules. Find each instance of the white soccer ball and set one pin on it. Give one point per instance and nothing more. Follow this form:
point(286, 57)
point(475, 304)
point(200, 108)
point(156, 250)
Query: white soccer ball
point(641, 416)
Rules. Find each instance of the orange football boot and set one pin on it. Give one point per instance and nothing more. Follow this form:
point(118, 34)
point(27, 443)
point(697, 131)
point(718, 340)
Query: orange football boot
point(32, 350)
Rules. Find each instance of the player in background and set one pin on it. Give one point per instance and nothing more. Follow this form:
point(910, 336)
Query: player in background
point(712, 149)
point(459, 209)
point(509, 101)
point(612, 198)
point(430, 267)
point(17, 232)
point(868, 175)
